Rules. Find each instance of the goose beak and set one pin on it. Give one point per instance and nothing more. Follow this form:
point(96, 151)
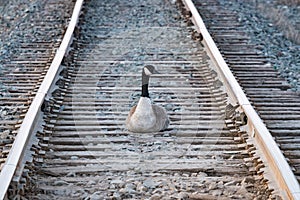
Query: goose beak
point(155, 72)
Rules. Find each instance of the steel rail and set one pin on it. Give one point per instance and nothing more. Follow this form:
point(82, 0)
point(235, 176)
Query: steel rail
point(25, 132)
point(285, 179)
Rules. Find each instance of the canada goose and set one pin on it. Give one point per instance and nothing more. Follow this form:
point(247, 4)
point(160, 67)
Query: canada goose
point(145, 117)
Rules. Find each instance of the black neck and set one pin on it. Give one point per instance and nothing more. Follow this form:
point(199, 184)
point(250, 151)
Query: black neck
point(145, 83)
point(145, 92)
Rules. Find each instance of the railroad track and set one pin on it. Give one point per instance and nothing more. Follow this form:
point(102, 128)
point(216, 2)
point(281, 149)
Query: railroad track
point(26, 62)
point(83, 150)
point(277, 105)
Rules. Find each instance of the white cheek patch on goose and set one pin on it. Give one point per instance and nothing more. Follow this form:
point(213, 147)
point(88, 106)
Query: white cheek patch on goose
point(147, 72)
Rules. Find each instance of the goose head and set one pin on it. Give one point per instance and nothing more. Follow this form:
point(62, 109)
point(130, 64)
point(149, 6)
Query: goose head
point(148, 70)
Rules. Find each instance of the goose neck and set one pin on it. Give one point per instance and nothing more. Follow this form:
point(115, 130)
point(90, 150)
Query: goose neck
point(145, 84)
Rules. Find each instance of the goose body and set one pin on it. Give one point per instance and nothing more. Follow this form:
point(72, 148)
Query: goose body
point(146, 117)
